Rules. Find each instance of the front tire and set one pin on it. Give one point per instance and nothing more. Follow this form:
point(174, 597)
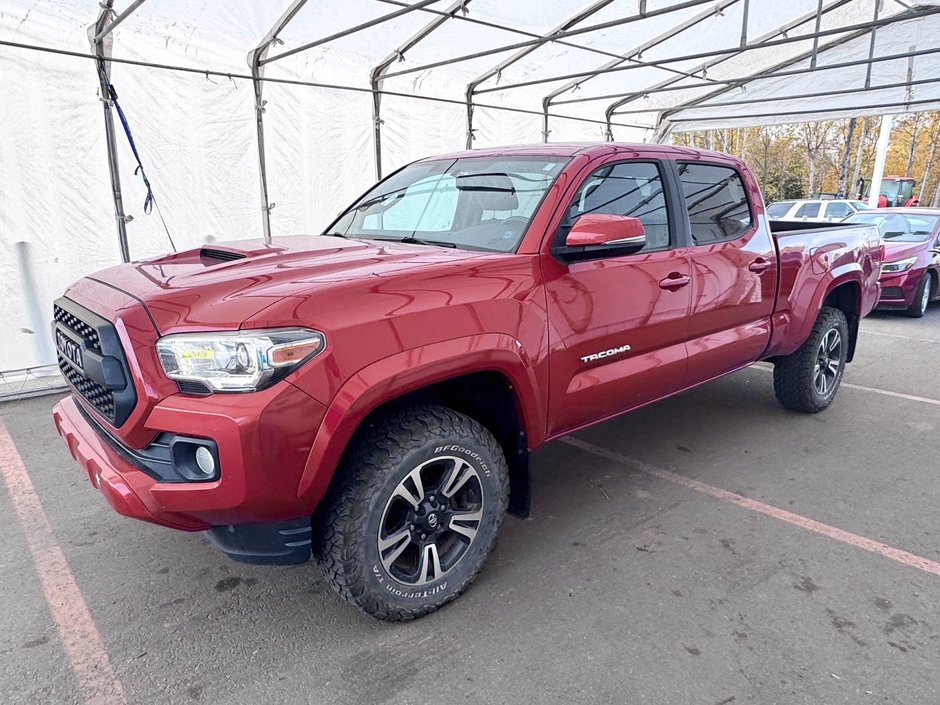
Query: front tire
point(419, 500)
point(922, 297)
point(807, 380)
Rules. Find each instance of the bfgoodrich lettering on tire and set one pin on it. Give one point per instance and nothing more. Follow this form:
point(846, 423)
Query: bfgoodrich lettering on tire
point(808, 379)
point(420, 497)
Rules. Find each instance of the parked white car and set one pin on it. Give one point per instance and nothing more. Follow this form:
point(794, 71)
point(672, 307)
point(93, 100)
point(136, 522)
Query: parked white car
point(814, 211)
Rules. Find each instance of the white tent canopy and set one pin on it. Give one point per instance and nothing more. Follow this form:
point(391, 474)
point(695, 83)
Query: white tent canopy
point(353, 86)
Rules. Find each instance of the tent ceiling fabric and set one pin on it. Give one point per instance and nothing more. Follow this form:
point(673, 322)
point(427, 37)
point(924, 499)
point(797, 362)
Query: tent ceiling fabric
point(482, 72)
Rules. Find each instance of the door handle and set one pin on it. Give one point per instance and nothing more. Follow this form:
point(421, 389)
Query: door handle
point(675, 281)
point(759, 266)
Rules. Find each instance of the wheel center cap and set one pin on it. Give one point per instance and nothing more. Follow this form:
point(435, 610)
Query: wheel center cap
point(432, 520)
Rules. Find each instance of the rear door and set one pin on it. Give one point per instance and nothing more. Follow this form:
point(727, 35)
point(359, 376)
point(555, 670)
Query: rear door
point(734, 269)
point(618, 323)
point(810, 211)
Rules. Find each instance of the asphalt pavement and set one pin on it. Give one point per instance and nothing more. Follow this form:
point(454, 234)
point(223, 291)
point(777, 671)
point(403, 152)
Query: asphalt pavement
point(713, 548)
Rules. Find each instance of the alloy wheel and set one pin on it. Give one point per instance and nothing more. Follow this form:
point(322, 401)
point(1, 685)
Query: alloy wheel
point(430, 520)
point(828, 362)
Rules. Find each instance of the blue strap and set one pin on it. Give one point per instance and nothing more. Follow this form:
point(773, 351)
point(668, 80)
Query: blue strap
point(112, 94)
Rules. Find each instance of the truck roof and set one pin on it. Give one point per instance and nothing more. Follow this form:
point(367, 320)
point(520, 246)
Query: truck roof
point(570, 149)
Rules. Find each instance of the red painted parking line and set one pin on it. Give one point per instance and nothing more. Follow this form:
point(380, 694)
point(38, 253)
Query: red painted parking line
point(866, 544)
point(77, 632)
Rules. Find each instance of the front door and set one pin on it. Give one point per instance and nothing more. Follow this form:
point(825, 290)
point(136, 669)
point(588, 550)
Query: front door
point(618, 324)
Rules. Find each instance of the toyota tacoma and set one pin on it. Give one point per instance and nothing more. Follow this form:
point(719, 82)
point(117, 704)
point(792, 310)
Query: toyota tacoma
point(370, 396)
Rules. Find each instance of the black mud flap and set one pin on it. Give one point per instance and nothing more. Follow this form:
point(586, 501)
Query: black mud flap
point(280, 543)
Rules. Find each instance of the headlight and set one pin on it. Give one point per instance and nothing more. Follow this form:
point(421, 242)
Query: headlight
point(902, 265)
point(241, 361)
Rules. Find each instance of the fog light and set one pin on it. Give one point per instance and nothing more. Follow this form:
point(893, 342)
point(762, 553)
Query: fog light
point(205, 461)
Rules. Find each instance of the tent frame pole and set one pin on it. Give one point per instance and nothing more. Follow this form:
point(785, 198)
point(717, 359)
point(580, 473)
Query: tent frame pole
point(770, 72)
point(521, 54)
point(559, 36)
point(667, 84)
point(98, 34)
point(862, 28)
point(378, 72)
point(255, 60)
point(636, 53)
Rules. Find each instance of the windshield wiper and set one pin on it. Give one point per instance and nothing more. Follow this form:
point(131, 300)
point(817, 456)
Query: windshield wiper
point(345, 237)
point(412, 240)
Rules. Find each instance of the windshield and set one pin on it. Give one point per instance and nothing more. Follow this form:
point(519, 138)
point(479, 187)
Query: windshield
point(896, 191)
point(476, 203)
point(898, 228)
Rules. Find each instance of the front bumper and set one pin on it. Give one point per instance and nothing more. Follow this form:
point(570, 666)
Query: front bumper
point(898, 290)
point(263, 439)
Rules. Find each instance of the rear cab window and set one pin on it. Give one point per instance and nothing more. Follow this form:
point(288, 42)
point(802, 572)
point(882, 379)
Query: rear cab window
point(717, 202)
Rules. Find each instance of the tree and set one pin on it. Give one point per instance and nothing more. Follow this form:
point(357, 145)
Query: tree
point(842, 190)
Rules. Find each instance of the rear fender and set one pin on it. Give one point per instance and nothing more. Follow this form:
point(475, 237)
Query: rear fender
point(792, 326)
point(392, 377)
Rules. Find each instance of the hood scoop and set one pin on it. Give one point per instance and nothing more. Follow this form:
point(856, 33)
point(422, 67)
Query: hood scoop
point(218, 255)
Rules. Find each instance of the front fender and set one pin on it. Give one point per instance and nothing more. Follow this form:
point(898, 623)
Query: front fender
point(391, 377)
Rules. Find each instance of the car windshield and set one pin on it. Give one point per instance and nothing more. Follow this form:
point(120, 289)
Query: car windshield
point(476, 203)
point(779, 209)
point(898, 228)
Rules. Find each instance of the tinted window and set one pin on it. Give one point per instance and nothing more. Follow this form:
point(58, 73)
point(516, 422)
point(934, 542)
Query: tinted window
point(838, 210)
point(716, 201)
point(629, 188)
point(779, 209)
point(808, 210)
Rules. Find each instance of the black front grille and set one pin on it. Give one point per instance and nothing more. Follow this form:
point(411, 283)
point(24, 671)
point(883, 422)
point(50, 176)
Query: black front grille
point(85, 331)
point(92, 392)
point(102, 378)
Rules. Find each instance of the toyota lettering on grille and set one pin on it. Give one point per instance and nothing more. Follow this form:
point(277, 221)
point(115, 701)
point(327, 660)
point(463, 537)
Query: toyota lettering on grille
point(70, 350)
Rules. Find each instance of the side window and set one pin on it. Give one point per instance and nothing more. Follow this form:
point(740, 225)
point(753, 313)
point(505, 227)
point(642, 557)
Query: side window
point(808, 210)
point(838, 210)
point(716, 201)
point(628, 188)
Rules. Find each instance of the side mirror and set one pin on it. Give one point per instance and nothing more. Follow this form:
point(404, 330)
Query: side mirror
point(595, 234)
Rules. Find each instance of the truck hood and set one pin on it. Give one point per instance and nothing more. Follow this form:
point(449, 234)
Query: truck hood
point(901, 250)
point(221, 285)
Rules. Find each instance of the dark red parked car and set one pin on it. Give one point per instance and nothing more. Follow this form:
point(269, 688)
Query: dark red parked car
point(910, 273)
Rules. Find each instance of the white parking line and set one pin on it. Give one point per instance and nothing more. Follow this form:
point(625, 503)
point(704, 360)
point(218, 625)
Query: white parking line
point(901, 337)
point(847, 537)
point(766, 367)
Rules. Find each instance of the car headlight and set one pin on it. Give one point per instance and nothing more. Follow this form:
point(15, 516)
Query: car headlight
point(902, 265)
point(240, 361)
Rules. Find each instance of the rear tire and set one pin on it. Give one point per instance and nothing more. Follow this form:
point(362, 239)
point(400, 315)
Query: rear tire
point(922, 297)
point(419, 500)
point(808, 379)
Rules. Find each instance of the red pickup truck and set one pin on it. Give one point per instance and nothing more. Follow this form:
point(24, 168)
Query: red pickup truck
point(370, 395)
